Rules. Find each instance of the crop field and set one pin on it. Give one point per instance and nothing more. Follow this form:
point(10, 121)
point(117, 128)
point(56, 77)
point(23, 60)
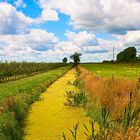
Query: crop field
point(118, 70)
point(25, 85)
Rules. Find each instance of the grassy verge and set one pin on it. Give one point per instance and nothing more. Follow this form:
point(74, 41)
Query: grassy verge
point(17, 96)
point(115, 105)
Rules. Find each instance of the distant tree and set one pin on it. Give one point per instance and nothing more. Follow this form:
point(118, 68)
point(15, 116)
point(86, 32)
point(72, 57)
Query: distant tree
point(128, 55)
point(65, 60)
point(76, 58)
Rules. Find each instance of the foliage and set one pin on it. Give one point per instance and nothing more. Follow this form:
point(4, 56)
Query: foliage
point(76, 99)
point(80, 99)
point(127, 55)
point(114, 103)
point(17, 70)
point(73, 132)
point(76, 58)
point(64, 60)
point(130, 115)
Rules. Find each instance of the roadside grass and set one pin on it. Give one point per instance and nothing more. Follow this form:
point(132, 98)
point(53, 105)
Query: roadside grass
point(26, 85)
point(17, 96)
point(118, 70)
point(114, 104)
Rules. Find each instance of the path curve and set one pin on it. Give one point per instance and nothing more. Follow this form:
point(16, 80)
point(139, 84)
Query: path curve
point(49, 118)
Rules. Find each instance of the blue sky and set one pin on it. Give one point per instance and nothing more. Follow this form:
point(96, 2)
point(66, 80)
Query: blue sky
point(48, 30)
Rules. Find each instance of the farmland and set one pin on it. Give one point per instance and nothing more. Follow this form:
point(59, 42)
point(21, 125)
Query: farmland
point(130, 71)
point(90, 101)
point(27, 84)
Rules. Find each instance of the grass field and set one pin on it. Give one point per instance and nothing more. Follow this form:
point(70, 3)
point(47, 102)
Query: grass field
point(26, 84)
point(118, 70)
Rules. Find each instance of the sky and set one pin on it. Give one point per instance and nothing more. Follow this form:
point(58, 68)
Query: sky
point(49, 30)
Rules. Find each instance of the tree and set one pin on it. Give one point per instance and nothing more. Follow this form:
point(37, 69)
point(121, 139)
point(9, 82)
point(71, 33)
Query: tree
point(76, 58)
point(128, 55)
point(65, 60)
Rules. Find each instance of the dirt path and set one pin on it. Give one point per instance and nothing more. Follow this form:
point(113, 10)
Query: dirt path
point(49, 118)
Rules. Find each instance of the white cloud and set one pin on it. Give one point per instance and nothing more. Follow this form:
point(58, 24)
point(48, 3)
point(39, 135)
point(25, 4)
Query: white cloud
point(48, 15)
point(104, 15)
point(20, 42)
point(12, 21)
point(39, 44)
point(82, 38)
point(132, 38)
point(19, 3)
point(30, 45)
point(15, 22)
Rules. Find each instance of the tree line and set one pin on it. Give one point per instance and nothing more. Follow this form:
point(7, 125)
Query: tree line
point(127, 55)
point(15, 70)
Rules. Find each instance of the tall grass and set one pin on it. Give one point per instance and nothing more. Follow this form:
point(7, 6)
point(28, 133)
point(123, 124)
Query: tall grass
point(115, 102)
point(78, 99)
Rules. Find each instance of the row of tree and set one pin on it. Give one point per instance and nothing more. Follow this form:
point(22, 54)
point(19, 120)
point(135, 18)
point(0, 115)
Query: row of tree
point(15, 70)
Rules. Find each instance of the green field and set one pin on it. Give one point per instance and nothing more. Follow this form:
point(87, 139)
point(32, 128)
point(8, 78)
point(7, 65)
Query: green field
point(25, 85)
point(119, 70)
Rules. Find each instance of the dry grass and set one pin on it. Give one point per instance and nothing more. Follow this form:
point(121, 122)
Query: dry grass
point(112, 94)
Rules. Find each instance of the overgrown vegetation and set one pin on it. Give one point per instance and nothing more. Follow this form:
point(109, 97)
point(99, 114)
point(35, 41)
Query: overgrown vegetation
point(76, 99)
point(14, 105)
point(115, 105)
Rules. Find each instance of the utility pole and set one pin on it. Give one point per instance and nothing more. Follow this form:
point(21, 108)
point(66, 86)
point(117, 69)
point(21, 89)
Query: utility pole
point(113, 54)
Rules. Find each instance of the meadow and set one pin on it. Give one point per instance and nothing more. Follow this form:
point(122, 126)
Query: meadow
point(118, 70)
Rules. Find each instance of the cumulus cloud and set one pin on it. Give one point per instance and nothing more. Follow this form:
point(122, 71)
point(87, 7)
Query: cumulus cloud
point(40, 44)
point(48, 15)
point(86, 41)
point(121, 18)
point(132, 38)
point(19, 3)
point(32, 44)
point(82, 38)
point(12, 21)
point(104, 15)
point(15, 22)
